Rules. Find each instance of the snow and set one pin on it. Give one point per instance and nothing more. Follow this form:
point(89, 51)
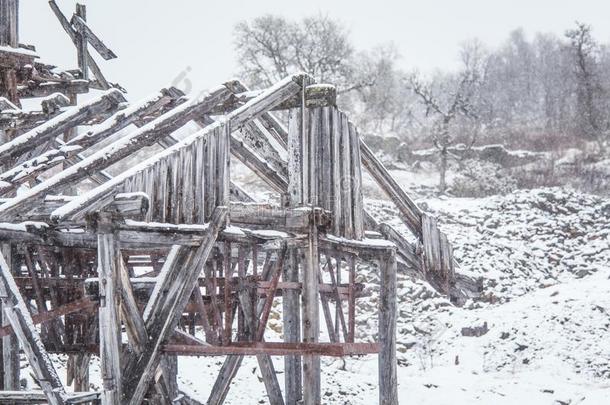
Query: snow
point(19, 51)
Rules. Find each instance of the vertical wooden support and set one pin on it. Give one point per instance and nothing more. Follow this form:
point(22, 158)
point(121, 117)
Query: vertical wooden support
point(311, 318)
point(81, 43)
point(9, 36)
point(388, 381)
point(10, 345)
point(292, 332)
point(109, 262)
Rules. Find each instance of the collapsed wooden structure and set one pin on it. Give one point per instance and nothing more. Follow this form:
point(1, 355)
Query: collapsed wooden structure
point(170, 257)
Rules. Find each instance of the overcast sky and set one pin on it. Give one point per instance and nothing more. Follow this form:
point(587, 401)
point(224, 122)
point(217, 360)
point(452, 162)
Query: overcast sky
point(156, 40)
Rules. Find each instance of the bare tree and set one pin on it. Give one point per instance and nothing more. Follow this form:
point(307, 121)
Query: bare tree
point(271, 47)
point(589, 89)
point(445, 103)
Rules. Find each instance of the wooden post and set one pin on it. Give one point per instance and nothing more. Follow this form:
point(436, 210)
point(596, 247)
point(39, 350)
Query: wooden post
point(109, 262)
point(10, 345)
point(292, 332)
point(388, 381)
point(9, 36)
point(81, 42)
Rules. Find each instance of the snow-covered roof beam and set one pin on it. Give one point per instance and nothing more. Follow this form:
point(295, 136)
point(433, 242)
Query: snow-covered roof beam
point(105, 103)
point(273, 96)
point(134, 141)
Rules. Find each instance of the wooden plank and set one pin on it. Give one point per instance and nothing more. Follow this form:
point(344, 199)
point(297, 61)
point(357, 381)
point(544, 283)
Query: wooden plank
point(356, 179)
point(346, 181)
point(295, 158)
point(310, 323)
point(97, 72)
point(388, 312)
point(10, 344)
point(410, 213)
point(80, 23)
point(275, 349)
point(109, 269)
point(81, 40)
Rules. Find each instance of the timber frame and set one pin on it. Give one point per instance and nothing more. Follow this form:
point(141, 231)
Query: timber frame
point(170, 257)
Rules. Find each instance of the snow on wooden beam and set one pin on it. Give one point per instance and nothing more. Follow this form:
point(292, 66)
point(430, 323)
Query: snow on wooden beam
point(272, 96)
point(37, 397)
point(118, 150)
point(107, 102)
point(275, 349)
point(29, 169)
point(411, 213)
point(42, 89)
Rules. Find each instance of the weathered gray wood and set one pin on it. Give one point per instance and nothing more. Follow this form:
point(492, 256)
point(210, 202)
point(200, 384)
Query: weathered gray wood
point(37, 397)
point(356, 181)
point(388, 380)
point(134, 324)
point(410, 212)
point(346, 180)
point(292, 331)
point(45, 89)
point(97, 72)
point(9, 36)
point(118, 150)
point(311, 319)
point(235, 119)
point(106, 103)
point(109, 270)
point(10, 345)
point(162, 317)
point(20, 319)
point(295, 158)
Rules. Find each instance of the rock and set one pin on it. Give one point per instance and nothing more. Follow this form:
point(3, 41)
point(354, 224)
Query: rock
point(475, 331)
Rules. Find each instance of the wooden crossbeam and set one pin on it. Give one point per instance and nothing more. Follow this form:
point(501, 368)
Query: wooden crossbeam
point(80, 25)
point(275, 349)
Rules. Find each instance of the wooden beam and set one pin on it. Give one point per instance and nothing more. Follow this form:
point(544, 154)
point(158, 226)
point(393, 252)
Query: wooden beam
point(33, 89)
point(234, 120)
point(97, 72)
point(109, 267)
point(81, 26)
point(275, 349)
point(388, 312)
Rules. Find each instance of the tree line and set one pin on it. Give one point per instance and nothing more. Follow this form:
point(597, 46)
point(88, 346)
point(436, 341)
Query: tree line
point(546, 93)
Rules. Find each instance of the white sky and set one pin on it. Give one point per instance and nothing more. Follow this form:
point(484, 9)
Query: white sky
point(156, 40)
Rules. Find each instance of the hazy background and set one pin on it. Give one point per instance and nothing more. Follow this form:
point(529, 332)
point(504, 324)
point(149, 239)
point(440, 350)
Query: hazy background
point(157, 40)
